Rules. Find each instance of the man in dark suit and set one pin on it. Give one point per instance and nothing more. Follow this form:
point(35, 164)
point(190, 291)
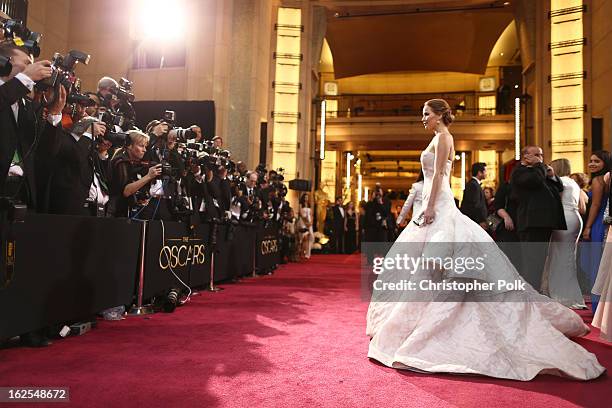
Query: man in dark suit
point(375, 224)
point(537, 191)
point(339, 217)
point(473, 203)
point(17, 125)
point(77, 172)
point(18, 141)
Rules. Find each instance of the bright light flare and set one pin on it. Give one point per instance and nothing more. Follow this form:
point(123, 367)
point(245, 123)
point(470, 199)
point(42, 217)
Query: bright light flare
point(161, 20)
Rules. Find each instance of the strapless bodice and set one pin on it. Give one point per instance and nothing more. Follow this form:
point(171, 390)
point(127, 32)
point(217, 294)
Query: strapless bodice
point(428, 163)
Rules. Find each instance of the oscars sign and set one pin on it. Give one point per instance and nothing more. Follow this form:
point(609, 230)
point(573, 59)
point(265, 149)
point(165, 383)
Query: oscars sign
point(181, 252)
point(269, 245)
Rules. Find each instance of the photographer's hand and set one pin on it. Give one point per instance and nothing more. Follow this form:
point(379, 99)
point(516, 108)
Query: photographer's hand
point(38, 70)
point(154, 172)
point(60, 101)
point(99, 129)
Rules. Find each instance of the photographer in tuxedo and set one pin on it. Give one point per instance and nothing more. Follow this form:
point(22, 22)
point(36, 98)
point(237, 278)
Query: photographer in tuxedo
point(473, 203)
point(165, 188)
point(78, 170)
point(537, 190)
point(20, 125)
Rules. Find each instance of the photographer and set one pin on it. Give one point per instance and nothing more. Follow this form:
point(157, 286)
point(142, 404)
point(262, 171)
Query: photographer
point(165, 188)
point(156, 129)
point(197, 132)
point(107, 87)
point(218, 141)
point(132, 178)
point(18, 121)
point(220, 192)
point(116, 100)
point(20, 126)
point(78, 169)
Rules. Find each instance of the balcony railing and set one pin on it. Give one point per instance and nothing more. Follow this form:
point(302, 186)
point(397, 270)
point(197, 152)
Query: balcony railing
point(461, 103)
point(405, 112)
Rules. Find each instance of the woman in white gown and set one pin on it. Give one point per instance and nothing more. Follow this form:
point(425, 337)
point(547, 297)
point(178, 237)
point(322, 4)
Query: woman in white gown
point(560, 277)
point(603, 284)
point(503, 333)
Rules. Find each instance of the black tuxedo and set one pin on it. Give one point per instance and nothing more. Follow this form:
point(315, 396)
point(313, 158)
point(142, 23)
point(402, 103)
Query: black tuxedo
point(217, 194)
point(338, 229)
point(375, 214)
point(11, 91)
point(539, 199)
point(19, 136)
point(255, 192)
point(71, 166)
point(474, 204)
point(539, 212)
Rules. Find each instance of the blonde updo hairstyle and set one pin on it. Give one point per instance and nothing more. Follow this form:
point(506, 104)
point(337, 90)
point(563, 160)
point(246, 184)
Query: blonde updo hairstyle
point(441, 107)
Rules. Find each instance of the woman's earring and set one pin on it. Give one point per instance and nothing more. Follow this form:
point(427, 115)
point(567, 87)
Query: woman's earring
point(438, 122)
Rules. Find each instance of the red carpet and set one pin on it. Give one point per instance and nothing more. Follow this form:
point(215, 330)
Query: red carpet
point(296, 338)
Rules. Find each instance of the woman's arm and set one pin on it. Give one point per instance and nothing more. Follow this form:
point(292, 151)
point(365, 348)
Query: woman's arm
point(582, 202)
point(443, 149)
point(597, 188)
point(134, 186)
point(407, 205)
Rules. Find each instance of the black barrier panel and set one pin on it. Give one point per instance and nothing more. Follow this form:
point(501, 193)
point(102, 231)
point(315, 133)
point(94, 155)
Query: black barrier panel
point(268, 247)
point(222, 253)
point(182, 253)
point(240, 262)
point(249, 248)
point(67, 268)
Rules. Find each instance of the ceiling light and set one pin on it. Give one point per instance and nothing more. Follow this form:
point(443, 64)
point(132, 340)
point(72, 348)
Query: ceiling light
point(506, 3)
point(515, 86)
point(501, 54)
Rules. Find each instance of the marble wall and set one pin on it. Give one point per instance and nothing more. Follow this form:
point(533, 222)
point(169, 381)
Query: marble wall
point(601, 66)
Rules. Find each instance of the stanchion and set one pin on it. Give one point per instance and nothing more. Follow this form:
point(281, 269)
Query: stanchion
point(255, 257)
point(213, 248)
point(139, 309)
point(191, 233)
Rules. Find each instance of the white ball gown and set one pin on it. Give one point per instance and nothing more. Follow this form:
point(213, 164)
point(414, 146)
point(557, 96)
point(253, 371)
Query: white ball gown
point(512, 334)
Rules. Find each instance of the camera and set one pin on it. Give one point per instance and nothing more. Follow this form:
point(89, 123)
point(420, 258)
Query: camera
point(112, 119)
point(124, 92)
point(75, 95)
point(182, 135)
point(117, 139)
point(169, 117)
point(62, 72)
point(5, 65)
point(17, 32)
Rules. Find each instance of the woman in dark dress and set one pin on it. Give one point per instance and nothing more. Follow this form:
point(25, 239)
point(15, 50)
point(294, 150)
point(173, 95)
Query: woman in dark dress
point(350, 229)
